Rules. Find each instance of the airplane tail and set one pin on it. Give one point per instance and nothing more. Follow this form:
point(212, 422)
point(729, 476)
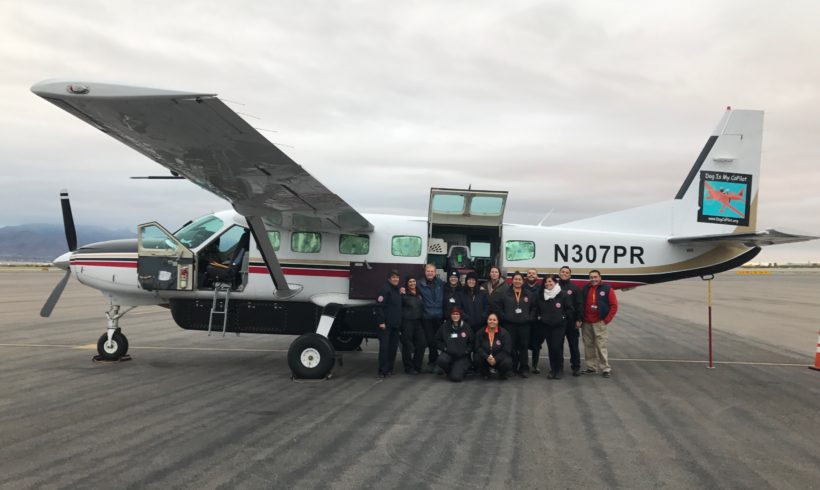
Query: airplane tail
point(730, 160)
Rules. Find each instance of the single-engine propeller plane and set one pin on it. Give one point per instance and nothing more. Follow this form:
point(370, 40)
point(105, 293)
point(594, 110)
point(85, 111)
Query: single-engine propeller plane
point(294, 258)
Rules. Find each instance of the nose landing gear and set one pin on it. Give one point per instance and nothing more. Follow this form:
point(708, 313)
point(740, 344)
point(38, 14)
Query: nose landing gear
point(113, 344)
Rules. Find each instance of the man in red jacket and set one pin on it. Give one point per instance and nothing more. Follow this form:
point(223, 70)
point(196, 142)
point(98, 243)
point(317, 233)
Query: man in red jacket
point(600, 307)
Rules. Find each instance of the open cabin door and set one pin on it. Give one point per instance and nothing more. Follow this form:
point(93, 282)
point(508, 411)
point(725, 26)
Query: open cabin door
point(163, 263)
point(465, 229)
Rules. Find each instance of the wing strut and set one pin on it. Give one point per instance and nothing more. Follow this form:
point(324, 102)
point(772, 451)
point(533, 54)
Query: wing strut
point(260, 234)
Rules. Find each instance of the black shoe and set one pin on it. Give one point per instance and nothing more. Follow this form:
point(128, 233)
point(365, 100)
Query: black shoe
point(411, 371)
point(382, 375)
point(607, 374)
point(550, 375)
point(485, 376)
point(536, 371)
point(503, 377)
point(589, 371)
point(557, 376)
point(576, 372)
point(524, 374)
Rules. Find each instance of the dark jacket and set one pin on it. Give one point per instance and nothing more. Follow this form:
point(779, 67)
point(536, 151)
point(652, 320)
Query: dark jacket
point(475, 306)
point(502, 344)
point(576, 299)
point(604, 299)
point(388, 306)
point(456, 340)
point(412, 307)
point(510, 304)
point(450, 300)
point(496, 298)
point(433, 296)
point(554, 312)
point(533, 290)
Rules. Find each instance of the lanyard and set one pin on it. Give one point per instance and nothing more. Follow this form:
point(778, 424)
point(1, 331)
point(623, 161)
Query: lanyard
point(517, 296)
point(491, 335)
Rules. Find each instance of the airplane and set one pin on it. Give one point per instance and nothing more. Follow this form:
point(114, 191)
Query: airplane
point(294, 258)
point(724, 197)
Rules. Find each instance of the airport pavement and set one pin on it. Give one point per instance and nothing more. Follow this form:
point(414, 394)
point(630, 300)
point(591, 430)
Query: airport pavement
point(196, 412)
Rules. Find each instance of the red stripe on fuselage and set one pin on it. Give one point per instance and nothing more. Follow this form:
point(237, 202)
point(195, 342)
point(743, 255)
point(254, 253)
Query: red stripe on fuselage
point(296, 271)
point(103, 263)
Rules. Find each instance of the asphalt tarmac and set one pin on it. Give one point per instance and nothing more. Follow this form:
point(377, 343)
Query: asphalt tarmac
point(191, 411)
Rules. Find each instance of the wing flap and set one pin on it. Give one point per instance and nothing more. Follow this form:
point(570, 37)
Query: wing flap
point(202, 139)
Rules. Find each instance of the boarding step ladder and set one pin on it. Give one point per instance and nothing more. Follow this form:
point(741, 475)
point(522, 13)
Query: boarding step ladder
point(224, 288)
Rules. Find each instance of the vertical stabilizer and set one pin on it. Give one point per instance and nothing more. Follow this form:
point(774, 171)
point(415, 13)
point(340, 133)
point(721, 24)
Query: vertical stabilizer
point(719, 195)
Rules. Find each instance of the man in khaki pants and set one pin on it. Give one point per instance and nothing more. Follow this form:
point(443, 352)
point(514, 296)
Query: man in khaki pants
point(600, 306)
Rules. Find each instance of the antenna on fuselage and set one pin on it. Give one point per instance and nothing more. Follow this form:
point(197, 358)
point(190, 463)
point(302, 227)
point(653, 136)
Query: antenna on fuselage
point(540, 223)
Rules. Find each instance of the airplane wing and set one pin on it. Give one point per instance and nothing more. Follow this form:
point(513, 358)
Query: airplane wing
point(202, 139)
point(756, 239)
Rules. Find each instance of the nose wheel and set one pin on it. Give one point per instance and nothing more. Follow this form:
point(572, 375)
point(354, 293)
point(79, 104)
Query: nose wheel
point(114, 349)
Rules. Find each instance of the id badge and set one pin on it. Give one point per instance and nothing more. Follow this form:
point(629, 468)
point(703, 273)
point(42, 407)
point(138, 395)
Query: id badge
point(518, 310)
point(453, 335)
point(452, 300)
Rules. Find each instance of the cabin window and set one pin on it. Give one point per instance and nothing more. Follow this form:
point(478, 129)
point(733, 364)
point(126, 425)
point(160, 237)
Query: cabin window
point(480, 249)
point(448, 203)
point(486, 206)
point(520, 250)
point(196, 232)
point(275, 240)
point(406, 246)
point(306, 242)
point(354, 244)
point(153, 238)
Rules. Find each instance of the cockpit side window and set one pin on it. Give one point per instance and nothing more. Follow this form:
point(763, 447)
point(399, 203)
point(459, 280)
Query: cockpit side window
point(199, 230)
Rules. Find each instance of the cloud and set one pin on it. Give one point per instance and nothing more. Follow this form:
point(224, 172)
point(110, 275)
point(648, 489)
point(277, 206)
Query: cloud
point(561, 104)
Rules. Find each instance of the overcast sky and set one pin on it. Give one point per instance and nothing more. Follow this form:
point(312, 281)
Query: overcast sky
point(580, 107)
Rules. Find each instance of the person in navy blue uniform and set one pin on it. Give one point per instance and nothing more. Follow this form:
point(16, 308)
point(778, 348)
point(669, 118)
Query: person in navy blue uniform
point(517, 314)
point(573, 331)
point(452, 290)
point(474, 303)
point(455, 342)
point(413, 342)
point(553, 309)
point(493, 349)
point(388, 318)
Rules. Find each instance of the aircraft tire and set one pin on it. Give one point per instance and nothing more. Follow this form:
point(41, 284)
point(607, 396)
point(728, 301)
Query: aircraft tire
point(311, 356)
point(346, 343)
point(117, 350)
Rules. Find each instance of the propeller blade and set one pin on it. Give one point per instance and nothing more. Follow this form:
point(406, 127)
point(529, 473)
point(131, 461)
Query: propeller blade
point(68, 222)
point(55, 295)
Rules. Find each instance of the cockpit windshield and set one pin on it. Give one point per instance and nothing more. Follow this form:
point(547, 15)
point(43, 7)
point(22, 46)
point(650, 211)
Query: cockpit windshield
point(194, 233)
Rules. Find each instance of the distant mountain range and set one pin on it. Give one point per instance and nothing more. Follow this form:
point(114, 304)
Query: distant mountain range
point(43, 243)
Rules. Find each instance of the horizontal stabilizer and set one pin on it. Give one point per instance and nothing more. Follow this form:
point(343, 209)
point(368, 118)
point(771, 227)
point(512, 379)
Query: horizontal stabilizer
point(756, 239)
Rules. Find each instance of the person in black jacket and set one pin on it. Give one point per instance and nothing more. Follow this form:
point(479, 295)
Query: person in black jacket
point(455, 344)
point(553, 309)
point(518, 311)
point(388, 317)
point(452, 290)
point(573, 333)
point(474, 303)
point(496, 287)
point(493, 349)
point(413, 342)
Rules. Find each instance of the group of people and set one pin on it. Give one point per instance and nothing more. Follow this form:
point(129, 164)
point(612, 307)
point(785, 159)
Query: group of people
point(494, 329)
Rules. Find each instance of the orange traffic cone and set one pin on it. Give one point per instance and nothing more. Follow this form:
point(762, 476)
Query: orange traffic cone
point(816, 366)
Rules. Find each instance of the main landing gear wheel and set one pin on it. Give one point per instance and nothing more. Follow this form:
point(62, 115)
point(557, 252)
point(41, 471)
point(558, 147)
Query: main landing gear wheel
point(114, 350)
point(346, 343)
point(311, 356)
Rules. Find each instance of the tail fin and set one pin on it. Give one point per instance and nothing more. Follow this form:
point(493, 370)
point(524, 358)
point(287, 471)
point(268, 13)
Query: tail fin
point(730, 160)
